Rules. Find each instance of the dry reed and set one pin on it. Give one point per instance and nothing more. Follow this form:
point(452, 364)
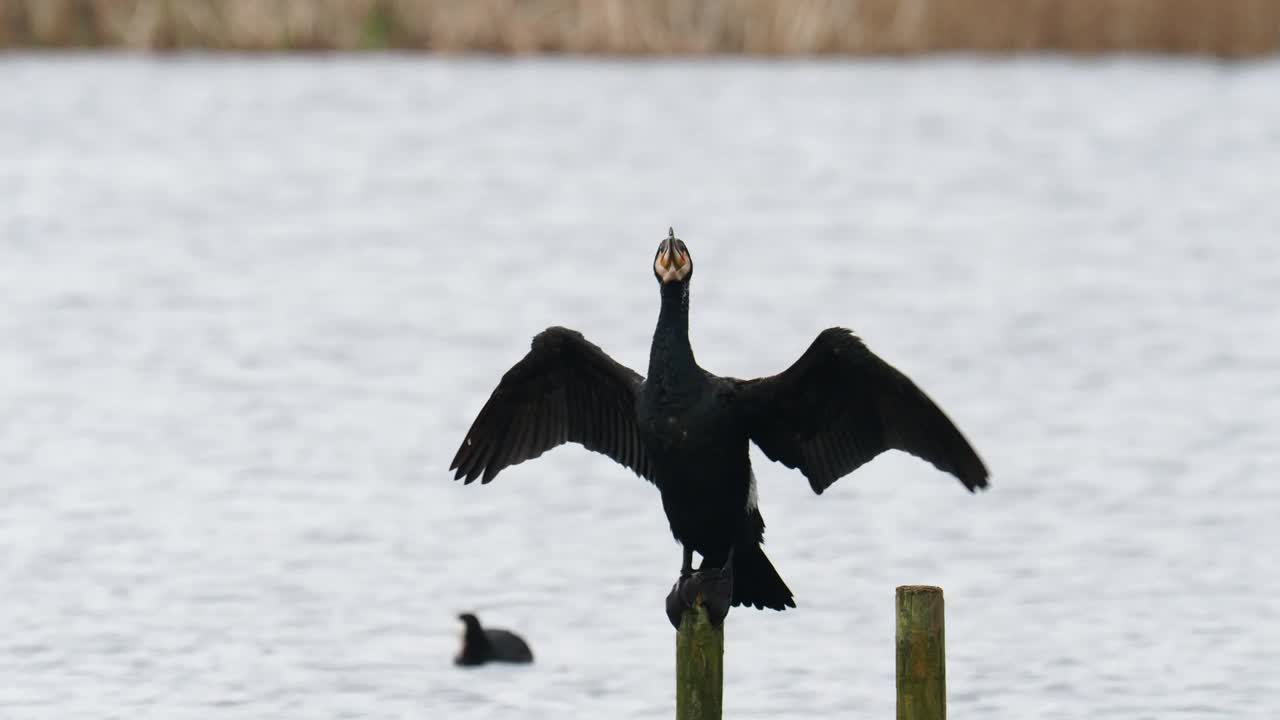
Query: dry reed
point(652, 27)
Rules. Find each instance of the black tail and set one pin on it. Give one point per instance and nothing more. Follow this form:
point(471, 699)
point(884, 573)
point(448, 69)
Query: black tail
point(755, 582)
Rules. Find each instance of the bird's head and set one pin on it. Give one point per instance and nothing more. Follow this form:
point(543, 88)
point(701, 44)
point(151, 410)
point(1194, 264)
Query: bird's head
point(672, 264)
point(470, 641)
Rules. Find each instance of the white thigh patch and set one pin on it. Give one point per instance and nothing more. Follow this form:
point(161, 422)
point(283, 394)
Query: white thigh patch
point(752, 500)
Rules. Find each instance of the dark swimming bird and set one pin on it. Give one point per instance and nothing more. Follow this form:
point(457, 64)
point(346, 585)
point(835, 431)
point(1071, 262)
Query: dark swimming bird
point(687, 431)
point(480, 646)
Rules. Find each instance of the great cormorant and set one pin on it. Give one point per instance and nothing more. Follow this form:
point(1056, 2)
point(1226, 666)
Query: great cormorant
point(481, 645)
point(687, 431)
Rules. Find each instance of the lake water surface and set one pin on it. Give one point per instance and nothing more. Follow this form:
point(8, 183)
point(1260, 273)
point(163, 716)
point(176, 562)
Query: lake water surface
point(248, 308)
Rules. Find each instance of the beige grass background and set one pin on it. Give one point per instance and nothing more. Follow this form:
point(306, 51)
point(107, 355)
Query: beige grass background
point(651, 27)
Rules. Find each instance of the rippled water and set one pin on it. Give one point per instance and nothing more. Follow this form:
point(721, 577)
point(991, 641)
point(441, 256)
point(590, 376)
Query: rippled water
point(248, 308)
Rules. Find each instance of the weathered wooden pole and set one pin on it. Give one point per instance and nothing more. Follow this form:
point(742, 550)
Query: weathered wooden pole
point(699, 666)
point(922, 662)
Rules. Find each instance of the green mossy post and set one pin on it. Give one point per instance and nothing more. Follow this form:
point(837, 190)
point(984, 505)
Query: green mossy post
point(922, 662)
point(699, 666)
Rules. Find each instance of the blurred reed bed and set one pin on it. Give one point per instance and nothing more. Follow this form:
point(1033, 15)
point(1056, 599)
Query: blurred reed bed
point(652, 27)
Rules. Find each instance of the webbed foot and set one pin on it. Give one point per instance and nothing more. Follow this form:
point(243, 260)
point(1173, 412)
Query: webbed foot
point(713, 585)
point(676, 600)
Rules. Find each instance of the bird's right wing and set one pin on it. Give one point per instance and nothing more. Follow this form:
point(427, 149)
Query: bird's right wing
point(565, 390)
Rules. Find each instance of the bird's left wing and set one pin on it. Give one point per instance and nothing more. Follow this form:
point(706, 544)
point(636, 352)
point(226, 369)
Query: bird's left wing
point(840, 405)
point(564, 390)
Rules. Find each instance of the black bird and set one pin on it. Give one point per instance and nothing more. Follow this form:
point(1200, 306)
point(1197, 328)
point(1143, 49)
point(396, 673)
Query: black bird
point(687, 431)
point(480, 646)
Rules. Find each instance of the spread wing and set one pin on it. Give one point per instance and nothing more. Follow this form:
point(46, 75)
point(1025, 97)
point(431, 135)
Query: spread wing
point(564, 390)
point(840, 405)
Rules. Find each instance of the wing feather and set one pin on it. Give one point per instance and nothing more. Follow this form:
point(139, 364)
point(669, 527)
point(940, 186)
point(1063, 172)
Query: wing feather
point(564, 390)
point(840, 405)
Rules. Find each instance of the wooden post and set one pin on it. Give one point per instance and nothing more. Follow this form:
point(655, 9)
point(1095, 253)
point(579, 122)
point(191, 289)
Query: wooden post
point(699, 666)
point(922, 663)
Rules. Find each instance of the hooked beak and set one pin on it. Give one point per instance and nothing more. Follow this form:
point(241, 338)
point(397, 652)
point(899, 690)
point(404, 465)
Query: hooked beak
point(667, 253)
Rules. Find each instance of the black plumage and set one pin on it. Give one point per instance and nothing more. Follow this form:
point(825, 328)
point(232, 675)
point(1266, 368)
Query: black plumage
point(483, 645)
point(687, 431)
